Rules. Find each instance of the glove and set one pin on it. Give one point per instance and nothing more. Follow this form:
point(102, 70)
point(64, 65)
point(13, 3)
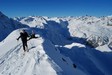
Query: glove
point(17, 39)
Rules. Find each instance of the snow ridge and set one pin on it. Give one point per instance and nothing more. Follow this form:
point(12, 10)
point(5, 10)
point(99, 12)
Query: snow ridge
point(66, 46)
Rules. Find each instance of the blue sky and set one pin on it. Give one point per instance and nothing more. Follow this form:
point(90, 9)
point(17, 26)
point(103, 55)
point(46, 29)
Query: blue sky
point(58, 8)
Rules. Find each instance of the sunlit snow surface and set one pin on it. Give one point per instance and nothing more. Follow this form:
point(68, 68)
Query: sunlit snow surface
point(60, 46)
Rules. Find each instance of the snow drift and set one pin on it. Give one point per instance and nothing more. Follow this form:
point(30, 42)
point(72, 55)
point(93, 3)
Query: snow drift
point(42, 59)
point(66, 46)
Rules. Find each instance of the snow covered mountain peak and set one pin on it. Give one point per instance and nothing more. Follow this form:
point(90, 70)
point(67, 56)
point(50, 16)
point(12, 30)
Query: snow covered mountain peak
point(1, 14)
point(33, 21)
point(7, 25)
point(65, 46)
point(42, 58)
point(89, 27)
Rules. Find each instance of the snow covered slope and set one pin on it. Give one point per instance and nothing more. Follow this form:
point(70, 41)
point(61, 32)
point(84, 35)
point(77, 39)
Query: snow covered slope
point(42, 59)
point(97, 31)
point(86, 40)
point(7, 25)
point(66, 46)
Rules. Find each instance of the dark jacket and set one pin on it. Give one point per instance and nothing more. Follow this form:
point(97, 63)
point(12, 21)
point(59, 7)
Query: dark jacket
point(23, 36)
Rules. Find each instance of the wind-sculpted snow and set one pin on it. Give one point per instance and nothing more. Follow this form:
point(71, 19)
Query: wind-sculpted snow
point(92, 32)
point(91, 61)
point(66, 46)
point(42, 59)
